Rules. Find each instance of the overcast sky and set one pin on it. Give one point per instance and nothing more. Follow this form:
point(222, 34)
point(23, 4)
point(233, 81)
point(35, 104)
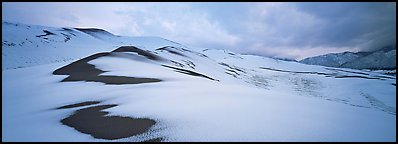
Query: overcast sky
point(289, 30)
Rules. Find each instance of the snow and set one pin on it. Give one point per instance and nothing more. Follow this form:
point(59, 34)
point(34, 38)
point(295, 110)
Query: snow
point(254, 105)
point(376, 60)
point(380, 59)
point(331, 60)
point(21, 46)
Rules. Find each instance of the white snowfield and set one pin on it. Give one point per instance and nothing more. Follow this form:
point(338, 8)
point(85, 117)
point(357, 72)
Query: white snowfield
point(248, 98)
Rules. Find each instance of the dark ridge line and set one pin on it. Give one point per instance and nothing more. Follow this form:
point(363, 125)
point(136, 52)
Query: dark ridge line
point(319, 73)
point(233, 71)
point(92, 30)
point(79, 104)
point(325, 74)
point(115, 80)
point(177, 63)
point(67, 29)
point(231, 74)
point(356, 77)
point(70, 31)
point(347, 71)
point(234, 68)
point(360, 73)
point(140, 52)
point(172, 41)
point(188, 72)
point(189, 63)
point(197, 53)
point(167, 48)
point(384, 77)
point(202, 55)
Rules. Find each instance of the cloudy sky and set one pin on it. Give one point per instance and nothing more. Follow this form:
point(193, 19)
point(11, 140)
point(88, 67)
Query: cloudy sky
point(287, 30)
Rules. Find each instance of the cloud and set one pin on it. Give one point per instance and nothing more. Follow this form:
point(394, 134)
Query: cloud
point(368, 26)
point(62, 14)
point(179, 22)
point(292, 30)
point(298, 30)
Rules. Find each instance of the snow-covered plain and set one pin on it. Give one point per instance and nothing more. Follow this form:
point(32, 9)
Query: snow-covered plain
point(251, 98)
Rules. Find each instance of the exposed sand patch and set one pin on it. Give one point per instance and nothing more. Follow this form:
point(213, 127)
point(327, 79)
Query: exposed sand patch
point(81, 70)
point(92, 121)
point(140, 52)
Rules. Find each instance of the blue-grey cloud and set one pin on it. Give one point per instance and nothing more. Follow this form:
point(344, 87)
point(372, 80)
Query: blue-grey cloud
point(294, 30)
point(355, 23)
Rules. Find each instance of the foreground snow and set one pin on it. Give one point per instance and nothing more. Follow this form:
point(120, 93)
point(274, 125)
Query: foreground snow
point(251, 98)
point(196, 109)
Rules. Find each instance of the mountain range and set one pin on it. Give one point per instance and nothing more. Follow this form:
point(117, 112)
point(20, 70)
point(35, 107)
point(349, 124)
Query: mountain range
point(382, 59)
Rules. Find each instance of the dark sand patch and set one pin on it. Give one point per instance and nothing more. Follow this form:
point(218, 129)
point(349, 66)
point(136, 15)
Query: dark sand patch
point(93, 121)
point(81, 70)
point(188, 72)
point(139, 51)
point(298, 72)
point(81, 67)
point(47, 33)
point(357, 77)
point(79, 104)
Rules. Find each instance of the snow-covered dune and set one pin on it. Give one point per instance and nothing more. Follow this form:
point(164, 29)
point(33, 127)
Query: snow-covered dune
point(164, 91)
point(29, 45)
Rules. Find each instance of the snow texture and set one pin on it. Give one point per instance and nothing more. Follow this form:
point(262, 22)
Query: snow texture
point(251, 98)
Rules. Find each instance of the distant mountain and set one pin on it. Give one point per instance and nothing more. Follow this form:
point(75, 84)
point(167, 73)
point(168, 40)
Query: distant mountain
point(380, 59)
